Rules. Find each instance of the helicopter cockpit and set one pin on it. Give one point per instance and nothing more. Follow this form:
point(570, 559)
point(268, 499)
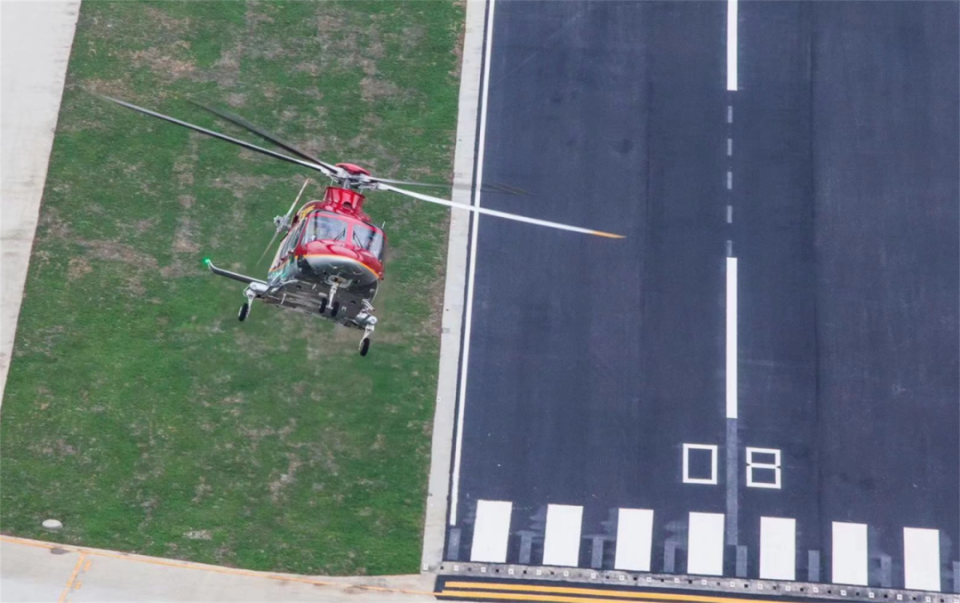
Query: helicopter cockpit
point(326, 226)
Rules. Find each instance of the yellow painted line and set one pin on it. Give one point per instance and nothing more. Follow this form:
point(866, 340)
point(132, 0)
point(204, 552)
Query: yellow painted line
point(527, 597)
point(203, 568)
point(86, 568)
point(73, 577)
point(621, 594)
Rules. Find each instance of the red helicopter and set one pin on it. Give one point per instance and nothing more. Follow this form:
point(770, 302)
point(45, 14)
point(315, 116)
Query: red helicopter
point(330, 261)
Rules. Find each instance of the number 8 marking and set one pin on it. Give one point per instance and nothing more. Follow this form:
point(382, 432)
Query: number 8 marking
point(774, 466)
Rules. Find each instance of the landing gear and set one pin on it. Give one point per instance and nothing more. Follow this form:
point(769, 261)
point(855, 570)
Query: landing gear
point(334, 309)
point(323, 305)
point(369, 322)
point(251, 295)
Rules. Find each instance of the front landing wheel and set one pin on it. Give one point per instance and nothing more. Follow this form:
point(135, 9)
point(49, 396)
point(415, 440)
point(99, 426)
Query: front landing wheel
point(364, 346)
point(244, 311)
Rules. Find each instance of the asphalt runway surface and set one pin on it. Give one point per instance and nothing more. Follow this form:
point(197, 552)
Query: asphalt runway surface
point(765, 374)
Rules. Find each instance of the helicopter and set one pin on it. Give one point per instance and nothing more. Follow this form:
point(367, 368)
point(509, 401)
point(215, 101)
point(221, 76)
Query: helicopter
point(330, 261)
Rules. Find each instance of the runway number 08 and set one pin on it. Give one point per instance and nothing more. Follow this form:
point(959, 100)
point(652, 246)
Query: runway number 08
point(763, 466)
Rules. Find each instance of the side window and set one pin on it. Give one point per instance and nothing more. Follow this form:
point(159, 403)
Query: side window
point(291, 241)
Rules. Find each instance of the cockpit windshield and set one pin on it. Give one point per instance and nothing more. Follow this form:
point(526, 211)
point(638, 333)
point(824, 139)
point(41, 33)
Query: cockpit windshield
point(369, 239)
point(325, 227)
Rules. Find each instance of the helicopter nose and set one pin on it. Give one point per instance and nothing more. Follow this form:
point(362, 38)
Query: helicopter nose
point(339, 266)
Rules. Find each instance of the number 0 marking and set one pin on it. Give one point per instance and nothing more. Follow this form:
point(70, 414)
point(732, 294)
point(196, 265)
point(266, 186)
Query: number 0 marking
point(686, 464)
point(774, 466)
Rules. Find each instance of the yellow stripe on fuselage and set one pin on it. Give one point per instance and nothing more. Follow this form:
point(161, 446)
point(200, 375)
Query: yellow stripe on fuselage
point(340, 257)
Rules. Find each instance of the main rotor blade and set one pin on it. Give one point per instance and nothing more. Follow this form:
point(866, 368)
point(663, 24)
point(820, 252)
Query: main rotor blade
point(243, 123)
point(500, 214)
point(286, 219)
point(486, 188)
point(297, 200)
point(269, 245)
point(314, 166)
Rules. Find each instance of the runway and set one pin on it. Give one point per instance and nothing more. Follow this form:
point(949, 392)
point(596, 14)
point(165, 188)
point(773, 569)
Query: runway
point(761, 381)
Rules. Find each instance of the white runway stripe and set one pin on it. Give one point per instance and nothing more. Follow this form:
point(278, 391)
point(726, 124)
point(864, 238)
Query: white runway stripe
point(921, 559)
point(778, 548)
point(634, 540)
point(491, 531)
point(732, 41)
point(731, 338)
point(705, 544)
point(849, 553)
point(561, 544)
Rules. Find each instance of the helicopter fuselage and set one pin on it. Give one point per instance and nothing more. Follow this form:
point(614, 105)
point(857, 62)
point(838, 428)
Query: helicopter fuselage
point(331, 260)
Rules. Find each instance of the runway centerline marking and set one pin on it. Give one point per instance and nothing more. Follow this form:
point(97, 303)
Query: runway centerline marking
point(732, 9)
point(472, 270)
point(731, 337)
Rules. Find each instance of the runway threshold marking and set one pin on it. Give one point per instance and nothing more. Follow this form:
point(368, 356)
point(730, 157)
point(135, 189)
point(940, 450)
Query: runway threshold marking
point(634, 539)
point(472, 268)
point(849, 553)
point(491, 531)
point(778, 548)
point(561, 541)
point(705, 544)
point(921, 559)
point(615, 595)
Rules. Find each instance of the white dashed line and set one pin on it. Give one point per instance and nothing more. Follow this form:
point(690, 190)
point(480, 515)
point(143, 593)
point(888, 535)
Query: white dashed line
point(729, 180)
point(729, 114)
point(729, 214)
point(729, 147)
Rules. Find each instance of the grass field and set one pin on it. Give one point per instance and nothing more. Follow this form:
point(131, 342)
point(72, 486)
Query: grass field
point(138, 411)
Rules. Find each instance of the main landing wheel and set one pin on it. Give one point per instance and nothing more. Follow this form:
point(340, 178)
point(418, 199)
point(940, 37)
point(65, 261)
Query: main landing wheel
point(364, 346)
point(323, 305)
point(244, 311)
point(334, 309)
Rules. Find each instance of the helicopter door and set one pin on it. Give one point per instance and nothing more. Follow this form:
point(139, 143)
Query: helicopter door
point(289, 243)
